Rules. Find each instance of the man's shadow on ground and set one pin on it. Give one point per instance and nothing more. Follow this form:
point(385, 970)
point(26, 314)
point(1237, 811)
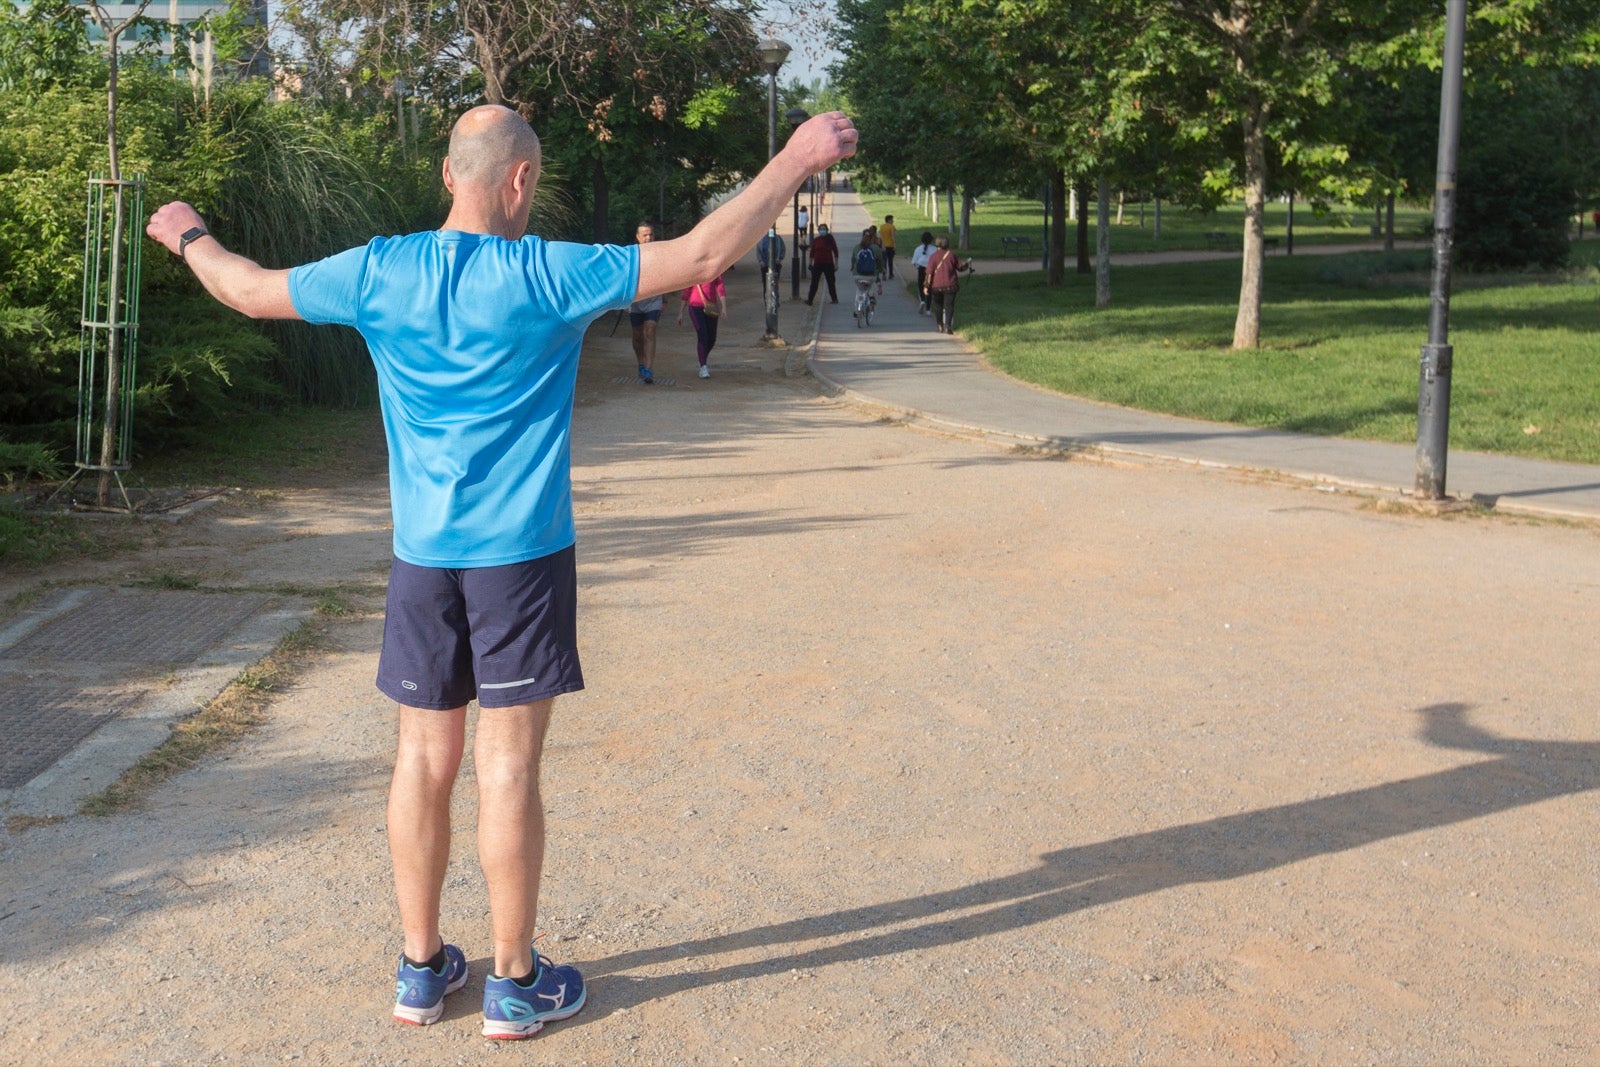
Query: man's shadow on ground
point(1072, 879)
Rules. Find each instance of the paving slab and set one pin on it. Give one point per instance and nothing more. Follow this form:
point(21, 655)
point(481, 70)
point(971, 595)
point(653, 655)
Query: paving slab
point(96, 677)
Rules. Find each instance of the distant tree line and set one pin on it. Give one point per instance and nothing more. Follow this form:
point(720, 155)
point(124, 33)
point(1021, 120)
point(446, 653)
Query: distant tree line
point(1199, 100)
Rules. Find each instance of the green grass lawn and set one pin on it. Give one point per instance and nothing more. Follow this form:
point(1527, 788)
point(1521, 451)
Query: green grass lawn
point(1181, 229)
point(1341, 340)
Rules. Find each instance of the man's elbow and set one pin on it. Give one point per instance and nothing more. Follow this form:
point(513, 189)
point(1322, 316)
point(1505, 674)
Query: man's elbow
point(266, 298)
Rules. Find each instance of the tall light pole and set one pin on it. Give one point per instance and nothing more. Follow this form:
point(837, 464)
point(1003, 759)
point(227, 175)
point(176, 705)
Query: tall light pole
point(1433, 391)
point(796, 116)
point(773, 52)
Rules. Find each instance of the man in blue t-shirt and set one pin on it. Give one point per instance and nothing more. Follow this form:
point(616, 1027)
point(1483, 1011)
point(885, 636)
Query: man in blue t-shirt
point(475, 330)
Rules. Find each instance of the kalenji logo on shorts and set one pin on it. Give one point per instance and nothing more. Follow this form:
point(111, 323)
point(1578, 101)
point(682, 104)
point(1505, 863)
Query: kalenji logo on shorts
point(409, 685)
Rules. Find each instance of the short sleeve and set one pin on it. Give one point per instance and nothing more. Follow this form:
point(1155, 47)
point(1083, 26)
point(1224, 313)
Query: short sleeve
point(328, 291)
point(584, 281)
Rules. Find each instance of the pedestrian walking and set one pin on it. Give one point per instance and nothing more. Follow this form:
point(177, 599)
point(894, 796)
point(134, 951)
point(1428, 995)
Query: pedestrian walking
point(943, 267)
point(769, 255)
point(919, 260)
point(644, 316)
point(824, 264)
point(886, 238)
point(475, 330)
point(705, 302)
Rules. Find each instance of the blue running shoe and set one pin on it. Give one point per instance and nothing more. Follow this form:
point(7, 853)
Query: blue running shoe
point(512, 1011)
point(419, 993)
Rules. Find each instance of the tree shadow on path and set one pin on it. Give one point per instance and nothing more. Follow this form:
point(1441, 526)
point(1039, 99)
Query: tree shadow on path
point(1520, 772)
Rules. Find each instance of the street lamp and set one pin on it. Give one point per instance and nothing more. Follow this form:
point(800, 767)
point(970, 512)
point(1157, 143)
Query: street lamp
point(797, 115)
point(1433, 388)
point(773, 52)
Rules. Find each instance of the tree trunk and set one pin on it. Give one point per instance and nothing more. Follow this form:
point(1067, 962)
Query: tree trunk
point(1102, 263)
point(1056, 275)
point(113, 383)
point(967, 200)
point(1247, 326)
point(1082, 187)
point(602, 199)
point(950, 202)
point(1156, 230)
point(1388, 224)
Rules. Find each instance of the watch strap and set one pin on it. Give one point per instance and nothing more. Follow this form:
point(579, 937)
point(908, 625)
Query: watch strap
point(190, 236)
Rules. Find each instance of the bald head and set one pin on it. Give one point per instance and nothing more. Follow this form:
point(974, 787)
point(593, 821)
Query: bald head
point(488, 142)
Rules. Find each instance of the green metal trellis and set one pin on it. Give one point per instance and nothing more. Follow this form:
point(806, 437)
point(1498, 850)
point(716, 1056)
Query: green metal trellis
point(108, 346)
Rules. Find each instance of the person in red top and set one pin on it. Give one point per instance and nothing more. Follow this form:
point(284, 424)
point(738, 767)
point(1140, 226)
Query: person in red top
point(705, 303)
point(943, 266)
point(824, 264)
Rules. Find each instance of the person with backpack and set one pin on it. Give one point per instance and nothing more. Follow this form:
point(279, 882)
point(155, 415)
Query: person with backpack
point(864, 262)
point(943, 266)
point(824, 264)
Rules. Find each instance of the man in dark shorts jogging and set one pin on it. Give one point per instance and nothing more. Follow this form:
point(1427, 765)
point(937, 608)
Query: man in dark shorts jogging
point(475, 330)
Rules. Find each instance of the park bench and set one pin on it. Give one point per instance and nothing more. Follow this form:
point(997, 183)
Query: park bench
point(1017, 243)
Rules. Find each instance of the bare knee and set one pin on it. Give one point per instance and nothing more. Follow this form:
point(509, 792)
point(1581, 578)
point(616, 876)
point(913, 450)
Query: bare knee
point(430, 746)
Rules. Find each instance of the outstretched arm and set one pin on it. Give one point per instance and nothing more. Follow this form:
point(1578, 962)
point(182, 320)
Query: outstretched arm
point(240, 283)
point(731, 230)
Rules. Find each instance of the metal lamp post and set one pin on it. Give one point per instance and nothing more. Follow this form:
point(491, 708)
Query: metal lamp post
point(1433, 390)
point(773, 52)
point(796, 116)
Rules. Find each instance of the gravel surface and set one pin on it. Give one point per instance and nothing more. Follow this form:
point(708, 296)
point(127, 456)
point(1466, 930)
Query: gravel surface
point(897, 748)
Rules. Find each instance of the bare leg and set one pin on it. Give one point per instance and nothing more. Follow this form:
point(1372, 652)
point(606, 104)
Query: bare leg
point(646, 347)
point(506, 754)
point(427, 757)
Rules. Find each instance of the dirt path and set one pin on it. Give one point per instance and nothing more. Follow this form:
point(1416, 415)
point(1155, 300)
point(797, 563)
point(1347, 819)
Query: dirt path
point(901, 749)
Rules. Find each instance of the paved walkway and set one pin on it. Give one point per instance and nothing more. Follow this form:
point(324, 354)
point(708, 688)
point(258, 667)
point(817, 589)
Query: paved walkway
point(901, 364)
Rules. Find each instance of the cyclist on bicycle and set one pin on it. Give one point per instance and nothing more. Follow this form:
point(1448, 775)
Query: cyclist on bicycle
point(865, 267)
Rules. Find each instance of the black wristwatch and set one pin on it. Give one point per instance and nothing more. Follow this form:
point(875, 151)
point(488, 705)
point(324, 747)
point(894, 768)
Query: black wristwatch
point(189, 236)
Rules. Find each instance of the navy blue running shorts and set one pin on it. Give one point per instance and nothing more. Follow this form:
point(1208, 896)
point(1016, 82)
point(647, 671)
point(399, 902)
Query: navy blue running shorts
point(503, 635)
point(639, 318)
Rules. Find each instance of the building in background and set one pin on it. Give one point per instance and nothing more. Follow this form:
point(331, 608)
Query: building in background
point(201, 46)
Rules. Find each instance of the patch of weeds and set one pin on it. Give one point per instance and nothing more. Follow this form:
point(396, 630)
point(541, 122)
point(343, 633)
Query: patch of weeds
point(305, 638)
point(1434, 509)
point(1047, 452)
point(168, 580)
point(235, 712)
point(40, 537)
point(334, 605)
point(254, 679)
point(25, 600)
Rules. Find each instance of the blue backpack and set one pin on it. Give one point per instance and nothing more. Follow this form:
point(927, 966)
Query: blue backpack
point(866, 261)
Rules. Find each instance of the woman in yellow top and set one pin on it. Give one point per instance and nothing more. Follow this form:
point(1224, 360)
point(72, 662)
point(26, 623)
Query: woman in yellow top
point(886, 235)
